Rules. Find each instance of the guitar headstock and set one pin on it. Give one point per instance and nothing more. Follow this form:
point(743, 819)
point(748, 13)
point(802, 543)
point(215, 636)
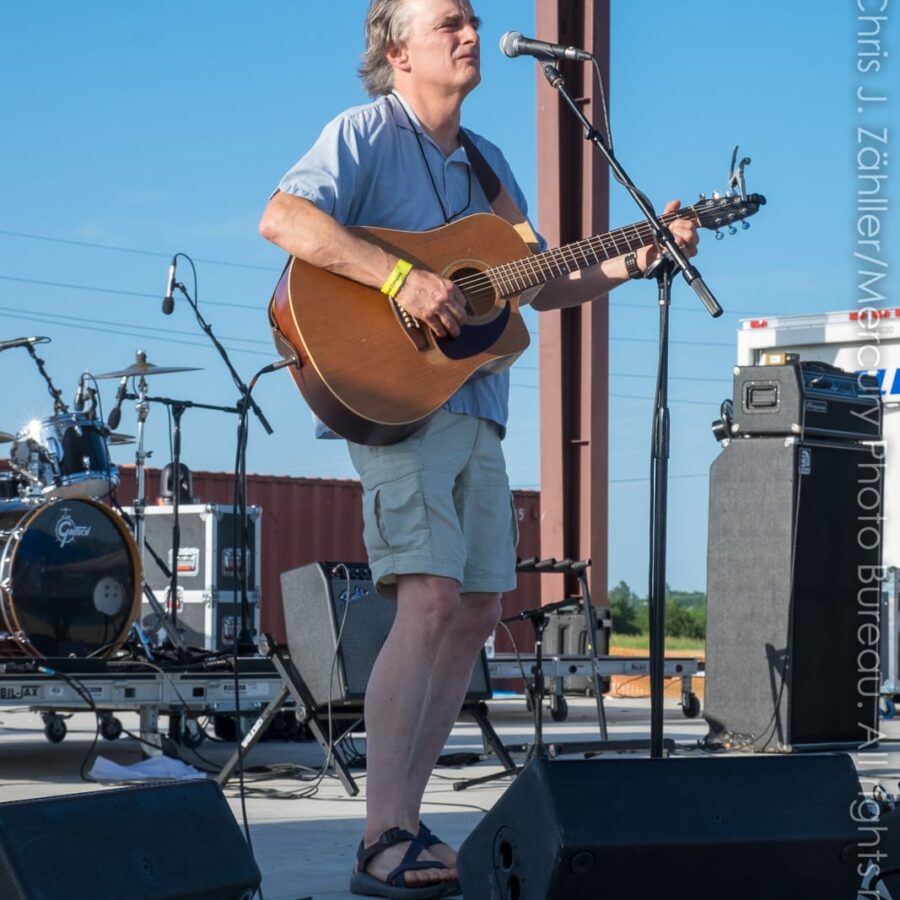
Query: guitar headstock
point(736, 206)
point(718, 212)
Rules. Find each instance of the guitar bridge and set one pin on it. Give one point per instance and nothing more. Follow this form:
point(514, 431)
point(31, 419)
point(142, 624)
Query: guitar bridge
point(411, 326)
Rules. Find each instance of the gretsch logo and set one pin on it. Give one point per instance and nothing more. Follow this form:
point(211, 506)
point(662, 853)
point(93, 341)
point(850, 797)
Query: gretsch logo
point(67, 531)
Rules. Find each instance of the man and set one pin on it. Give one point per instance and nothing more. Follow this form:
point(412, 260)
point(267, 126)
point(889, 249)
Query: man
point(439, 528)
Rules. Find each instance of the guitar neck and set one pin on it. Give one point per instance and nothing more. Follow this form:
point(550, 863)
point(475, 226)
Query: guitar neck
point(532, 271)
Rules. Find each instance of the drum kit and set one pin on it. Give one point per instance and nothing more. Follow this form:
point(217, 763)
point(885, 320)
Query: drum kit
point(71, 578)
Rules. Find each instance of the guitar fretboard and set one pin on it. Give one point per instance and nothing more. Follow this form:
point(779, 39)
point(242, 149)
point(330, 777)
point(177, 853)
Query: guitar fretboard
point(531, 271)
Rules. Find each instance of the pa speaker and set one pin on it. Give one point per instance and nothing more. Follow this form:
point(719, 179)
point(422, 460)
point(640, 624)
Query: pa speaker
point(168, 842)
point(746, 828)
point(321, 598)
point(793, 594)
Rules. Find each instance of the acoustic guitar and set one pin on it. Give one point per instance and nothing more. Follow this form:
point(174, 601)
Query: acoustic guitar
point(374, 374)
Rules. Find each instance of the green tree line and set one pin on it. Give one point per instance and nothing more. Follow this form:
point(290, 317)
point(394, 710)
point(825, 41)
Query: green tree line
point(685, 612)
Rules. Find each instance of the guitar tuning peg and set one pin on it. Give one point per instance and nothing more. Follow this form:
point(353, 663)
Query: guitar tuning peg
point(719, 235)
point(732, 229)
point(702, 196)
point(745, 224)
point(715, 195)
point(729, 193)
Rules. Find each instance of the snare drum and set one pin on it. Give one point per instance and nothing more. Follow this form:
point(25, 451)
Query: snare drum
point(67, 455)
point(70, 579)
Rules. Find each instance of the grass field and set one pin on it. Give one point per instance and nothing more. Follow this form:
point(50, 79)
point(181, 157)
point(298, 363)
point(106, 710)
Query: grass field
point(642, 642)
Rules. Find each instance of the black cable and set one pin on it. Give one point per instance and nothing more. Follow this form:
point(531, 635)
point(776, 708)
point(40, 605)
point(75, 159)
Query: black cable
point(603, 106)
point(85, 695)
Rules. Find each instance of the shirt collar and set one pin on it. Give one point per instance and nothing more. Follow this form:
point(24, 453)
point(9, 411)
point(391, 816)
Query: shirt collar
point(458, 155)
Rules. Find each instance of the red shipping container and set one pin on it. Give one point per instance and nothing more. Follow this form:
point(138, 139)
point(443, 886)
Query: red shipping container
point(310, 519)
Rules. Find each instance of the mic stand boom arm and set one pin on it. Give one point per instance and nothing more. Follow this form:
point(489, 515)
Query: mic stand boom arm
point(207, 329)
point(662, 235)
point(59, 405)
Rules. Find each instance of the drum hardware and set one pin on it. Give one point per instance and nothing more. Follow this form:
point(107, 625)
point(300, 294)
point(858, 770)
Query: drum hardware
point(117, 439)
point(142, 407)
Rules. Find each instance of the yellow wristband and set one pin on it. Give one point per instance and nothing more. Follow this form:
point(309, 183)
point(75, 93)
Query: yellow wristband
point(395, 280)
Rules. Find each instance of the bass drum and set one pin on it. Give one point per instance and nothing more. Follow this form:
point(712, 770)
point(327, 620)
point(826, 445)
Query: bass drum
point(70, 579)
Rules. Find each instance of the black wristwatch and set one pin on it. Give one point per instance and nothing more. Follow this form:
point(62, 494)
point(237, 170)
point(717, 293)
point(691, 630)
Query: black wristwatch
point(631, 266)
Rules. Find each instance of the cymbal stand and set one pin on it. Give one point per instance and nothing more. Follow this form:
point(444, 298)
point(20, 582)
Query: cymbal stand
point(140, 504)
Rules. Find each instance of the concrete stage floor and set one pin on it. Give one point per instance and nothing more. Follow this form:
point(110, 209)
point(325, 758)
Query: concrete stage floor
point(305, 847)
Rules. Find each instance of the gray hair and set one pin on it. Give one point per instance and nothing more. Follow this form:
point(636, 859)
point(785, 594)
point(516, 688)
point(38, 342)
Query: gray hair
point(386, 27)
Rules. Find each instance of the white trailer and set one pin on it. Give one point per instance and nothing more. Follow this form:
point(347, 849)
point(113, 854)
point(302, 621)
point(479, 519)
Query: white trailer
point(865, 340)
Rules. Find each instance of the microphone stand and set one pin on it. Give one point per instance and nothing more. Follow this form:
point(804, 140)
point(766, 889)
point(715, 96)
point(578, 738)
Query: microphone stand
point(59, 405)
point(178, 408)
point(245, 643)
point(663, 270)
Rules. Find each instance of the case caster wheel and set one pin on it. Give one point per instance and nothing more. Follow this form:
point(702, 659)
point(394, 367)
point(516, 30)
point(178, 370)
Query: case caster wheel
point(110, 728)
point(193, 734)
point(559, 709)
point(691, 706)
point(887, 708)
point(54, 729)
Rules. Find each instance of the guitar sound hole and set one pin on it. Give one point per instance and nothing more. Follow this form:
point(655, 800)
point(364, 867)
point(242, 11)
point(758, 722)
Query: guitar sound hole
point(478, 290)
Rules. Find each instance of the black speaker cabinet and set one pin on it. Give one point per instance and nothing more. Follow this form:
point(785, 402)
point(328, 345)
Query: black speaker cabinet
point(793, 600)
point(315, 599)
point(745, 828)
point(168, 842)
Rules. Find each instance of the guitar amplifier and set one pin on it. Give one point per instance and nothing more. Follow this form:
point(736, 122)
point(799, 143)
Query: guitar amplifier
point(807, 398)
point(326, 599)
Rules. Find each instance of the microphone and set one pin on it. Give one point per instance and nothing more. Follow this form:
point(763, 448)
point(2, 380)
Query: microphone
point(115, 415)
point(78, 403)
point(168, 303)
point(23, 342)
point(513, 44)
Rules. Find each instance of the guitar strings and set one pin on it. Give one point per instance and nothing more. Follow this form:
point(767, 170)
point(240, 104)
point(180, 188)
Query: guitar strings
point(481, 283)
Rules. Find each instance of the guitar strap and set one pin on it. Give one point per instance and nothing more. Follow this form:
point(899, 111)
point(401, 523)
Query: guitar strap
point(498, 196)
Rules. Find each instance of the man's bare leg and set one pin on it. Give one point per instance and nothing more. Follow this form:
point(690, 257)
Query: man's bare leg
point(396, 697)
point(463, 639)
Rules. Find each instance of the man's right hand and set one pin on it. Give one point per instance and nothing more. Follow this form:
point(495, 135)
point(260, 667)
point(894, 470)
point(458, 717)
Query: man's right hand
point(436, 301)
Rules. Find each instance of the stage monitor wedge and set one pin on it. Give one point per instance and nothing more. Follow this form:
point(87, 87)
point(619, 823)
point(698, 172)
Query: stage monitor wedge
point(746, 828)
point(162, 842)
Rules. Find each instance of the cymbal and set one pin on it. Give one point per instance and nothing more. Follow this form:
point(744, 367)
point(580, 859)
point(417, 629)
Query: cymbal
point(6, 437)
point(145, 368)
point(118, 438)
point(141, 367)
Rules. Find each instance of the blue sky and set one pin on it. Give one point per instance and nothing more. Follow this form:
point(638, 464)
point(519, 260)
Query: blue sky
point(155, 128)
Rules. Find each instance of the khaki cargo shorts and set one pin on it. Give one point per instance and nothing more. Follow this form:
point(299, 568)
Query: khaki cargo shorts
point(439, 503)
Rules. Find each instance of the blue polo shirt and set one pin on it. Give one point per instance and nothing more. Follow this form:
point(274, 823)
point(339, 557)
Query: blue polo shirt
point(367, 168)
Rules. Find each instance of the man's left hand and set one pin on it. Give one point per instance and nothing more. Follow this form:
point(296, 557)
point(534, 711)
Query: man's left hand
point(683, 230)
